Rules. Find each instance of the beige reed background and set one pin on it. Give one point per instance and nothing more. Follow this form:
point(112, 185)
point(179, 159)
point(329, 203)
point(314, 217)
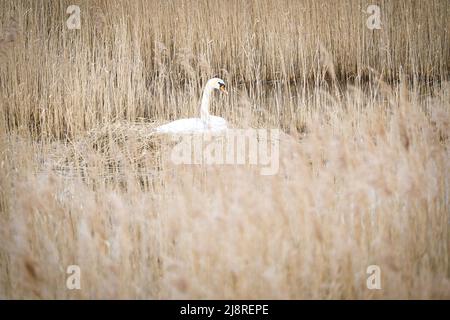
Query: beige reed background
point(364, 170)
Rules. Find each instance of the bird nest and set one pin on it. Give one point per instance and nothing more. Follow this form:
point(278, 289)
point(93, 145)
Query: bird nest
point(112, 152)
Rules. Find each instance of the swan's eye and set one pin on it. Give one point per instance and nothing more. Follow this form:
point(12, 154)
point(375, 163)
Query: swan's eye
point(222, 88)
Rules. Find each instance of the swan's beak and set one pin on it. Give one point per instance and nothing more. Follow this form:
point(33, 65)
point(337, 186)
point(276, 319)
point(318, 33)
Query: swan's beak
point(222, 88)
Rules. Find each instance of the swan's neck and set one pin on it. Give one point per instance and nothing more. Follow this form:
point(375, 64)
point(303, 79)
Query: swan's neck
point(204, 106)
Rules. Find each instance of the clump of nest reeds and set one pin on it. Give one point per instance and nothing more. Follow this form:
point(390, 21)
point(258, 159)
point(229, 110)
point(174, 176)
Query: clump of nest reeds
point(109, 151)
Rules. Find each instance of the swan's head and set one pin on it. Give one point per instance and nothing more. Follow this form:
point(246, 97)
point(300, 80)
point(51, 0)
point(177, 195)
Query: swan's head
point(217, 83)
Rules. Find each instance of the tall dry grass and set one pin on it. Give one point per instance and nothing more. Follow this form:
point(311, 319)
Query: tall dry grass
point(364, 174)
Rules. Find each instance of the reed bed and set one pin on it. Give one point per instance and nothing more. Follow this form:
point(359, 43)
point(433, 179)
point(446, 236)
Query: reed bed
point(364, 151)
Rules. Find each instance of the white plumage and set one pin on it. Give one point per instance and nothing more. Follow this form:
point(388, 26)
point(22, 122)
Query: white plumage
point(206, 122)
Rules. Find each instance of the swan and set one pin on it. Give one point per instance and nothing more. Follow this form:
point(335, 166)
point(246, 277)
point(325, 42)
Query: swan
point(206, 122)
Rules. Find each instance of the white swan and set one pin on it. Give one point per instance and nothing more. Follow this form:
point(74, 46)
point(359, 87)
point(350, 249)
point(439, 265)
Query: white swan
point(206, 122)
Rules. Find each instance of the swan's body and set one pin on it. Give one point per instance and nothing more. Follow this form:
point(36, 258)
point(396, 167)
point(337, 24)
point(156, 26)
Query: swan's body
point(206, 122)
point(194, 125)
